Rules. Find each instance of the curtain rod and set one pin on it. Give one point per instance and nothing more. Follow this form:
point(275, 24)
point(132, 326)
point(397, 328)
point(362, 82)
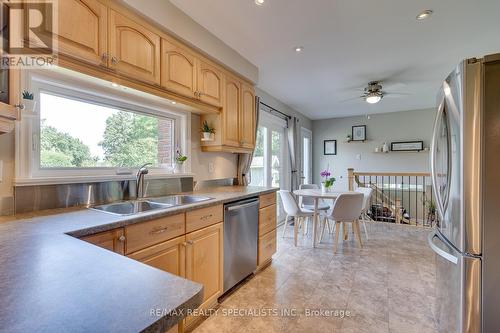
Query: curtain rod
point(273, 109)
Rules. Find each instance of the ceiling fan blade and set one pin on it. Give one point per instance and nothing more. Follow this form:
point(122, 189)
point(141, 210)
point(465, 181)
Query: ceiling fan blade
point(350, 99)
point(396, 95)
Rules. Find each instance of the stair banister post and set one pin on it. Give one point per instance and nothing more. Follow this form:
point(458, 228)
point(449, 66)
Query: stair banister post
point(350, 178)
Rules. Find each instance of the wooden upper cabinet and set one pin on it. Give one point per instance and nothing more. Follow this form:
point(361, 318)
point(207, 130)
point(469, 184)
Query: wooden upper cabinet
point(231, 112)
point(133, 50)
point(178, 69)
point(112, 240)
point(247, 122)
point(204, 260)
point(210, 84)
point(82, 30)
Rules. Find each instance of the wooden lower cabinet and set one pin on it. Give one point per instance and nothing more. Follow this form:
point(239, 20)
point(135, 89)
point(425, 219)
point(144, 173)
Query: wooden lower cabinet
point(169, 256)
point(205, 263)
point(112, 240)
point(267, 229)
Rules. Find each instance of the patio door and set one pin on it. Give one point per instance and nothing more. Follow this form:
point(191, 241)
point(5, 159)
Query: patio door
point(306, 147)
point(270, 161)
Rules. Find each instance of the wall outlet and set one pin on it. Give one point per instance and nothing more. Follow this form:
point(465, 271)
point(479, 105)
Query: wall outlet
point(211, 167)
point(358, 156)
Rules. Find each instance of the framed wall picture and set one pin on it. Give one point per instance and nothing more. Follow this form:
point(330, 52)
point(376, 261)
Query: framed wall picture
point(330, 147)
point(359, 133)
point(407, 146)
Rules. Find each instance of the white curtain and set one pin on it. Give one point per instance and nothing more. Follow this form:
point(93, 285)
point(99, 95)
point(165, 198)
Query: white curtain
point(294, 151)
point(245, 160)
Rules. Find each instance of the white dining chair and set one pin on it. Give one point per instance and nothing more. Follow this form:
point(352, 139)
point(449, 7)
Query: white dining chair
point(292, 209)
point(347, 209)
point(367, 193)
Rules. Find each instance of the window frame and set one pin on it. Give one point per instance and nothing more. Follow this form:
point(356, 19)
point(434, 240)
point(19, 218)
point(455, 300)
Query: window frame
point(79, 87)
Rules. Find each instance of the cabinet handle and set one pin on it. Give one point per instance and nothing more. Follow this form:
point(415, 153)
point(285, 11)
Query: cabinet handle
point(104, 57)
point(158, 231)
point(189, 242)
point(121, 238)
point(204, 217)
point(114, 60)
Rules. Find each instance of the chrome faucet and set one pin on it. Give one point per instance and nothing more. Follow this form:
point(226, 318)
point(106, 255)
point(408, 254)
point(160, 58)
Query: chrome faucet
point(139, 178)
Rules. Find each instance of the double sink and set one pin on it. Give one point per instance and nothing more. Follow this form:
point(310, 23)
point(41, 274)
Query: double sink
point(131, 207)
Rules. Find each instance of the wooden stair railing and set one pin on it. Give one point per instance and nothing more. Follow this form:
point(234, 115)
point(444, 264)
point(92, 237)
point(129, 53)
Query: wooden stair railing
point(400, 197)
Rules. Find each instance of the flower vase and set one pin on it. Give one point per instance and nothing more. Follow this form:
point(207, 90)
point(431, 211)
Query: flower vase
point(206, 136)
point(325, 189)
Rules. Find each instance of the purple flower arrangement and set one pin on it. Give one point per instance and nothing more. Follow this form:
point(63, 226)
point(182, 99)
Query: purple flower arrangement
point(328, 181)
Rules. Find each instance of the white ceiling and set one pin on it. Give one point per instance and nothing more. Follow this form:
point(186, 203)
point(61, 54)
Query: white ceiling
point(350, 42)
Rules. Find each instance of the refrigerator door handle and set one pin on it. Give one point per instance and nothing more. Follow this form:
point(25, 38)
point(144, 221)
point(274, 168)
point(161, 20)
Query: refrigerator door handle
point(448, 256)
point(433, 159)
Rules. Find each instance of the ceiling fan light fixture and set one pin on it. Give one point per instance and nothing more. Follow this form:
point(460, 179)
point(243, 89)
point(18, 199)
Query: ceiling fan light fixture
point(373, 98)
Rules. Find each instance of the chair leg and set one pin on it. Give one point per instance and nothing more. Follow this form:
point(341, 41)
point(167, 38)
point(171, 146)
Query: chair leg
point(345, 233)
point(284, 227)
point(305, 225)
point(337, 234)
point(328, 225)
point(296, 230)
point(323, 229)
point(364, 227)
point(357, 232)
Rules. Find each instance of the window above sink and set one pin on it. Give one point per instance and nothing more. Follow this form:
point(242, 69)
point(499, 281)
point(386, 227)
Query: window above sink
point(87, 128)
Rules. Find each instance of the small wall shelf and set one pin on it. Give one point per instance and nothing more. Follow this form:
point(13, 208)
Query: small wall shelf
point(392, 151)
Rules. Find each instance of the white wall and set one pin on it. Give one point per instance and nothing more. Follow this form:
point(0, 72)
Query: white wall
point(171, 18)
point(225, 164)
point(387, 127)
point(280, 106)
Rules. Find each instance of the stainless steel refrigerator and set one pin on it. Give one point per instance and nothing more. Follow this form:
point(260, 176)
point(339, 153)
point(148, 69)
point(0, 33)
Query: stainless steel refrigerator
point(465, 164)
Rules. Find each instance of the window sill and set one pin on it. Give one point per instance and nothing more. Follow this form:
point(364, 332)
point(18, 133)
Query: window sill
point(91, 179)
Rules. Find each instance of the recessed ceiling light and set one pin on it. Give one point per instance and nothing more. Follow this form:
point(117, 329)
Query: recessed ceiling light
point(298, 48)
point(115, 84)
point(174, 102)
point(425, 14)
point(259, 2)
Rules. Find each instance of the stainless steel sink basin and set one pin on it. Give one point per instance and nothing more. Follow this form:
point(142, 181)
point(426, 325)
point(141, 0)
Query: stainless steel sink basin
point(130, 207)
point(139, 206)
point(178, 200)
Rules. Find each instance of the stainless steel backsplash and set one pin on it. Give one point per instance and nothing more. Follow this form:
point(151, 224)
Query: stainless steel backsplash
point(39, 197)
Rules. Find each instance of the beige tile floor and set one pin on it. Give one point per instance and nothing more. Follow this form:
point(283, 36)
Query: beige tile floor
point(388, 286)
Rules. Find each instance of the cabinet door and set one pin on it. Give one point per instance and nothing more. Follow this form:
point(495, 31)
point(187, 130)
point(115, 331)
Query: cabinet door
point(112, 240)
point(247, 118)
point(178, 69)
point(133, 50)
point(168, 256)
point(210, 84)
point(230, 113)
point(82, 30)
point(204, 260)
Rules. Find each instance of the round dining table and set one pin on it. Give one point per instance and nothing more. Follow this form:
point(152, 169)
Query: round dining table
point(316, 195)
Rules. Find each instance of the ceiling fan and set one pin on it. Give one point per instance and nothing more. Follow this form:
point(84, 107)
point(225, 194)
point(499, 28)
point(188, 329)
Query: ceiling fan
point(373, 93)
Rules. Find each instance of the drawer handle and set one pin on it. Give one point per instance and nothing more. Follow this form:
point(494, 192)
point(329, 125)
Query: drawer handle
point(204, 217)
point(158, 231)
point(121, 238)
point(189, 242)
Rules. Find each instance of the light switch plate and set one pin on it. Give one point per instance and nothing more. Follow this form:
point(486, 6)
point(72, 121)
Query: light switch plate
point(211, 167)
point(358, 156)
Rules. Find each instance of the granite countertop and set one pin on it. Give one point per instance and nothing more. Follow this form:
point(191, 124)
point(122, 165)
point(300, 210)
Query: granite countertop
point(51, 281)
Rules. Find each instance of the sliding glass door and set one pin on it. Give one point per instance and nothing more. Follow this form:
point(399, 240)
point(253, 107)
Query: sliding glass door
point(270, 161)
point(306, 146)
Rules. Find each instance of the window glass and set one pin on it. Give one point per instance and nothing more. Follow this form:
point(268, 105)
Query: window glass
point(81, 134)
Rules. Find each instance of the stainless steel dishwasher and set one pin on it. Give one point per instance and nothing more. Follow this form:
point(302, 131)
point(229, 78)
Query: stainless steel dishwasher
point(241, 232)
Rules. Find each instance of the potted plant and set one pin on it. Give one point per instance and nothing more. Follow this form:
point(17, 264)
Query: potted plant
point(327, 183)
point(28, 101)
point(431, 212)
point(207, 130)
point(179, 161)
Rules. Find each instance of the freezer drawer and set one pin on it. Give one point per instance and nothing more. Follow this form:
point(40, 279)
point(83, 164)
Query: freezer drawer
point(458, 288)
